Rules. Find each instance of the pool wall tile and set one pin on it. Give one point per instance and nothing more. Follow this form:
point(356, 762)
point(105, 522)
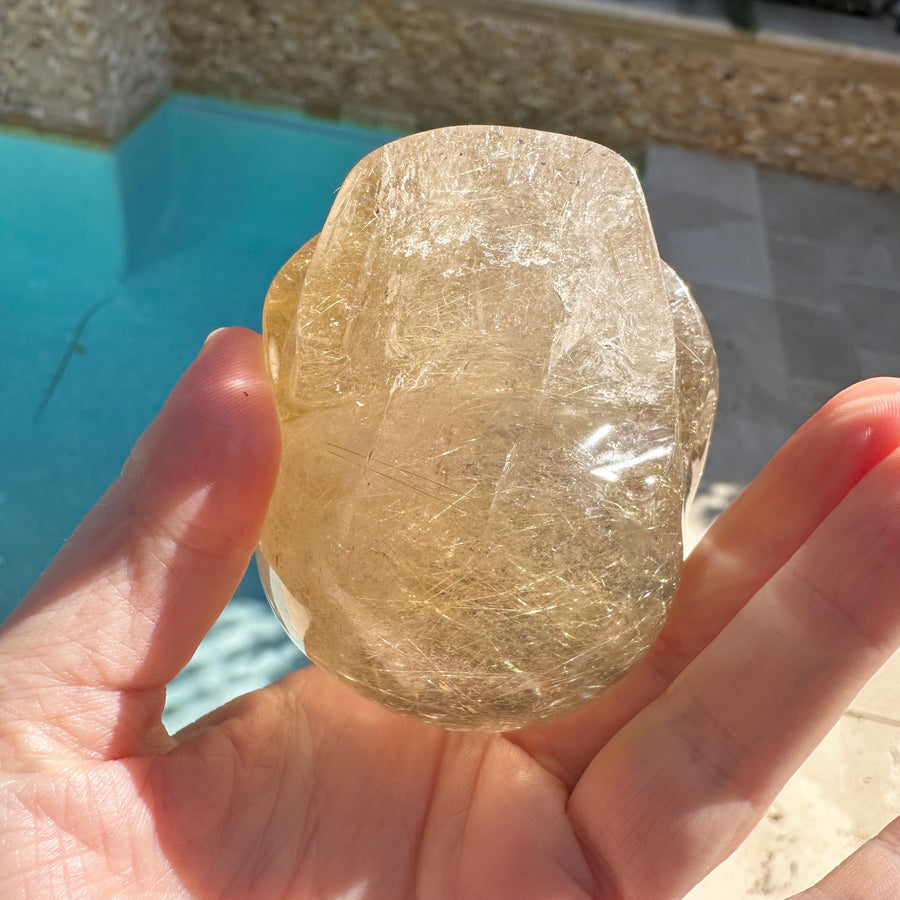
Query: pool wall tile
point(145, 171)
point(609, 73)
point(87, 67)
point(61, 212)
point(617, 73)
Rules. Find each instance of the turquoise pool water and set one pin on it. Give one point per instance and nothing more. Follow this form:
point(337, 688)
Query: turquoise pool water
point(114, 266)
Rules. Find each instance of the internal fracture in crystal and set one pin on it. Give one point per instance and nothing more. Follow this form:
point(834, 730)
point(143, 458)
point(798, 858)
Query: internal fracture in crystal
point(495, 403)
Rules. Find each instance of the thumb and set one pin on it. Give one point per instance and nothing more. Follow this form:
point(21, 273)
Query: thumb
point(125, 603)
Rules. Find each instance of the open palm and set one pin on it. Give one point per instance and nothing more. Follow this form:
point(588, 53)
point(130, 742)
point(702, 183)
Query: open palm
point(306, 790)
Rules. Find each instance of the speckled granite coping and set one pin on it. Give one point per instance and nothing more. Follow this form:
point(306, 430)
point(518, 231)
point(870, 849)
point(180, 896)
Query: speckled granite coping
point(85, 67)
point(596, 69)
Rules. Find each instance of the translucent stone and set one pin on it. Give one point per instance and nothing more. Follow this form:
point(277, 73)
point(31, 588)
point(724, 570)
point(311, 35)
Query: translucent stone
point(495, 403)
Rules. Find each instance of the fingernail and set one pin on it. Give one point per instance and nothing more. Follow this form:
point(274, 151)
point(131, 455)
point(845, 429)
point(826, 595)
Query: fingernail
point(212, 334)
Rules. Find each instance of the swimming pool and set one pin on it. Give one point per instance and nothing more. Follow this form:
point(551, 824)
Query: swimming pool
point(114, 266)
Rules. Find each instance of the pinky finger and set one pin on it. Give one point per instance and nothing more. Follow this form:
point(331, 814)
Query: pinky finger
point(872, 873)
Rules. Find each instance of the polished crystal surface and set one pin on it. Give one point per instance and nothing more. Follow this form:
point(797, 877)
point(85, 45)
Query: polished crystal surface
point(495, 403)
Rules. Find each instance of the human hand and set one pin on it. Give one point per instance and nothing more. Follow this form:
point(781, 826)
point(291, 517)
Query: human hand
point(306, 790)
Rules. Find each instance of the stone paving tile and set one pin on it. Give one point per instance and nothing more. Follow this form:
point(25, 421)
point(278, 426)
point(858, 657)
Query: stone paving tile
point(831, 317)
point(726, 251)
point(732, 182)
point(876, 263)
point(740, 448)
point(878, 364)
point(874, 316)
point(809, 395)
point(861, 226)
point(707, 215)
point(844, 794)
point(813, 275)
point(799, 281)
point(818, 343)
point(804, 272)
point(880, 698)
point(752, 369)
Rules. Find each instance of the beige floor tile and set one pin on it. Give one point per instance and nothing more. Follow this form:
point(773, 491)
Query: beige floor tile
point(844, 794)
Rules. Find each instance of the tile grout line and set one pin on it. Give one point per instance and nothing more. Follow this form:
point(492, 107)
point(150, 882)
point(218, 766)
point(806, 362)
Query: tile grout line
point(872, 717)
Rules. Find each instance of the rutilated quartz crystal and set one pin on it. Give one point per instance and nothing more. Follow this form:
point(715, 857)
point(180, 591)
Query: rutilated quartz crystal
point(495, 403)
